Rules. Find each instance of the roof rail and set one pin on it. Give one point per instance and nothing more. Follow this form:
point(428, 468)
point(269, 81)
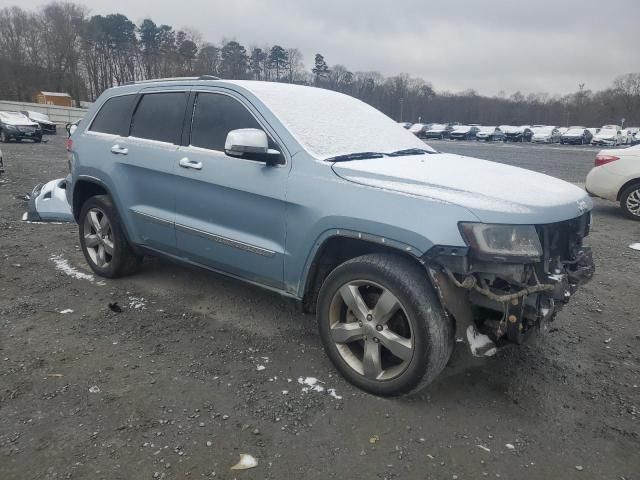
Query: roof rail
point(173, 79)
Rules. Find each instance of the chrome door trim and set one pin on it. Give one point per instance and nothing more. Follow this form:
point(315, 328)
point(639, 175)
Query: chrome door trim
point(226, 241)
point(153, 218)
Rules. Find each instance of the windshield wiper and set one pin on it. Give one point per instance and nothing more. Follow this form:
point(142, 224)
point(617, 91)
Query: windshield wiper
point(355, 156)
point(409, 151)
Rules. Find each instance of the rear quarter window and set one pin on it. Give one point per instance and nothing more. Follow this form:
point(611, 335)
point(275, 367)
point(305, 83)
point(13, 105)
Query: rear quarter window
point(114, 116)
point(159, 116)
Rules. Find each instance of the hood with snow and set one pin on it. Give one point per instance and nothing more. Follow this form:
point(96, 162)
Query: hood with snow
point(493, 192)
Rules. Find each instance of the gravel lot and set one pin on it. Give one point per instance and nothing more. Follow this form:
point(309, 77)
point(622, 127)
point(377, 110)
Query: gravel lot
point(173, 387)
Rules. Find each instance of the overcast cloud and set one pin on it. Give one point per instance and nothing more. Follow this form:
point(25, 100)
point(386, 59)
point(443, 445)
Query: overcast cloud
point(489, 45)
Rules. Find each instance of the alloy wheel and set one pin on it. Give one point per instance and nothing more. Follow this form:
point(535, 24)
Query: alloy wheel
point(98, 237)
point(371, 330)
point(633, 202)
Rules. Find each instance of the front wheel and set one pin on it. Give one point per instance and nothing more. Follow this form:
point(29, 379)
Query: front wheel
point(630, 201)
point(382, 324)
point(103, 241)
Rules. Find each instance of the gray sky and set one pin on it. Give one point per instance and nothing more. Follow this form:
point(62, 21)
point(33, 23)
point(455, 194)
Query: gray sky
point(488, 45)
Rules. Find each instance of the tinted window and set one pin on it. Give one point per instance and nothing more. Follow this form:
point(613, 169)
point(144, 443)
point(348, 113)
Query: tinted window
point(216, 115)
point(114, 116)
point(159, 116)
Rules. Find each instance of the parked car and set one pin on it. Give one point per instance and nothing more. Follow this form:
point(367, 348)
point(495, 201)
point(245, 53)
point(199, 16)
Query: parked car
point(627, 136)
point(576, 136)
point(464, 132)
point(320, 197)
point(522, 133)
point(563, 130)
point(47, 126)
point(15, 126)
point(546, 135)
point(490, 134)
point(593, 131)
point(636, 138)
point(419, 129)
point(406, 125)
point(438, 131)
point(616, 177)
point(609, 135)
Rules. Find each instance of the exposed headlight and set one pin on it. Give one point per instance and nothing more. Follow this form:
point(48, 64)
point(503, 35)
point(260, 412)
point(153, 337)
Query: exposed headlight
point(498, 241)
point(11, 127)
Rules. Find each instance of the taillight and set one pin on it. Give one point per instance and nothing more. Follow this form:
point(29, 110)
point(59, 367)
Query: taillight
point(69, 144)
point(604, 159)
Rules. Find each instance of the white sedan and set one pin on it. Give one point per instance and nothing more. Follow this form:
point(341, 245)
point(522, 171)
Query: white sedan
point(616, 177)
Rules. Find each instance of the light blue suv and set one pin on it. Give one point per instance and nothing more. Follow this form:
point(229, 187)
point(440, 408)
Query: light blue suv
point(398, 249)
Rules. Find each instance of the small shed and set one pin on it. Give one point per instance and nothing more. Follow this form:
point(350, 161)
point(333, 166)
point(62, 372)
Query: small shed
point(54, 98)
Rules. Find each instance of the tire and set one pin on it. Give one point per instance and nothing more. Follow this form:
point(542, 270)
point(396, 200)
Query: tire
point(3, 137)
point(117, 258)
point(630, 201)
point(428, 335)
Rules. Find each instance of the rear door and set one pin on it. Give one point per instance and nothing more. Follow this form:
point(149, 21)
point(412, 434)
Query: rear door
point(140, 157)
point(230, 212)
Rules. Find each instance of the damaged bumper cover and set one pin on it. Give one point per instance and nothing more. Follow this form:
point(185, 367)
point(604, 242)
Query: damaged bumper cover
point(503, 301)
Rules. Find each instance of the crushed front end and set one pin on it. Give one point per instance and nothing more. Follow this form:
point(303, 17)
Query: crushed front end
point(511, 280)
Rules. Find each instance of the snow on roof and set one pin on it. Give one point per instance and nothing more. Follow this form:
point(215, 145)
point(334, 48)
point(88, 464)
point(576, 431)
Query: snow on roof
point(328, 123)
point(55, 94)
point(486, 129)
point(462, 128)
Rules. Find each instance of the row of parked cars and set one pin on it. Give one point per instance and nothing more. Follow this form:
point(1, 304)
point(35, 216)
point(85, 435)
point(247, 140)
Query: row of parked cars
point(608, 135)
point(24, 125)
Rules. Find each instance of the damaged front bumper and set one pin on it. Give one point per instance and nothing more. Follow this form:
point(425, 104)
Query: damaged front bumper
point(495, 303)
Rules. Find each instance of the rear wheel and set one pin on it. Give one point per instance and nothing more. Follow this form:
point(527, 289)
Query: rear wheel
point(382, 325)
point(103, 241)
point(630, 201)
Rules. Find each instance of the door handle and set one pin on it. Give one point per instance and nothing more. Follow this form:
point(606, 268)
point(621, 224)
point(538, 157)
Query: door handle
point(186, 163)
point(118, 150)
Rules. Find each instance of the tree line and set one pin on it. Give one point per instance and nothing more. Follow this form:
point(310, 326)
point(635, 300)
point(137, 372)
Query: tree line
point(60, 47)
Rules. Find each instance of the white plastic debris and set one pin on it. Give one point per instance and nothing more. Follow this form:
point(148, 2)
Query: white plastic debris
point(509, 446)
point(635, 246)
point(137, 303)
point(246, 462)
point(260, 367)
point(66, 310)
point(482, 447)
point(312, 384)
point(94, 389)
point(480, 344)
point(608, 340)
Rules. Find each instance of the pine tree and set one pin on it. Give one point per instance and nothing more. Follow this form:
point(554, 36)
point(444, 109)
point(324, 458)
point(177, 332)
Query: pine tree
point(278, 59)
point(320, 70)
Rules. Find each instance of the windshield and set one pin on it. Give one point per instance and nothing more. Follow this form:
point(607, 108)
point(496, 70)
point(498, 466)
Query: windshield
point(487, 129)
point(436, 127)
point(329, 124)
point(575, 131)
point(544, 131)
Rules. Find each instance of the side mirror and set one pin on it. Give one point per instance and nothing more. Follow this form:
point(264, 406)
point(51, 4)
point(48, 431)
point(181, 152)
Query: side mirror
point(252, 144)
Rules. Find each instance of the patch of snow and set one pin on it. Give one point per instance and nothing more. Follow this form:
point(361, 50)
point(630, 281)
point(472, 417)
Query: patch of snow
point(509, 446)
point(24, 216)
point(94, 389)
point(260, 367)
point(312, 384)
point(328, 123)
point(67, 310)
point(482, 447)
point(137, 303)
point(63, 265)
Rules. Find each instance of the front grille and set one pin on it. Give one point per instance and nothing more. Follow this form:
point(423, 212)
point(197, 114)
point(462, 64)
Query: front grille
point(27, 129)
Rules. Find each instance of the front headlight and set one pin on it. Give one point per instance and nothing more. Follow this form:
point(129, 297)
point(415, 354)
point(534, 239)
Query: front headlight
point(11, 127)
point(502, 242)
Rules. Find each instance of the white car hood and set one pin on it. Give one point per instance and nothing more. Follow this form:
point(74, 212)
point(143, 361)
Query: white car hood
point(493, 192)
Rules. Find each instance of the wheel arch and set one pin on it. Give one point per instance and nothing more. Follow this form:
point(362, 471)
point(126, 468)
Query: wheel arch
point(85, 188)
point(629, 183)
point(336, 247)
